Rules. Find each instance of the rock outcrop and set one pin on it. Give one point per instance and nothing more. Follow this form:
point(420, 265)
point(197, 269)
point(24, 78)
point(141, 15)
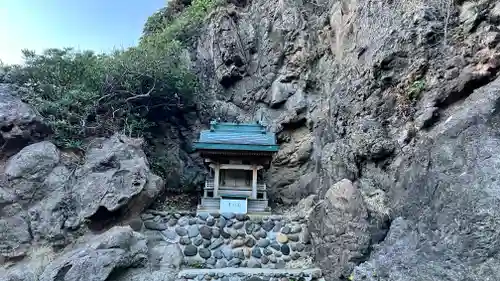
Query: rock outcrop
point(46, 199)
point(20, 124)
point(399, 97)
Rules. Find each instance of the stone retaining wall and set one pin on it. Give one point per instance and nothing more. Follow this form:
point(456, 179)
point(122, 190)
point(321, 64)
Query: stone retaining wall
point(229, 240)
point(250, 274)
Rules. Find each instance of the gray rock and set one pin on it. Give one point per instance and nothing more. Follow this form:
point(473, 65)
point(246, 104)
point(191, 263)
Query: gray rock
point(197, 241)
point(224, 234)
point(267, 252)
point(218, 254)
point(216, 243)
point(210, 221)
point(287, 258)
point(228, 216)
point(193, 231)
point(233, 233)
point(295, 229)
point(273, 259)
point(222, 222)
point(264, 260)
point(21, 124)
point(183, 221)
point(203, 216)
point(277, 226)
point(260, 234)
point(190, 251)
point(172, 222)
point(228, 252)
point(239, 254)
point(237, 243)
point(206, 243)
point(117, 248)
point(268, 225)
point(280, 264)
point(249, 241)
point(153, 225)
point(184, 241)
point(206, 232)
point(204, 253)
point(263, 243)
point(242, 217)
point(285, 230)
point(285, 249)
point(166, 256)
point(238, 225)
point(295, 256)
point(215, 215)
point(215, 232)
point(275, 246)
point(221, 264)
point(234, 262)
point(181, 231)
point(249, 227)
point(229, 223)
point(299, 247)
point(293, 237)
point(256, 252)
point(15, 237)
point(211, 261)
point(192, 221)
point(276, 217)
point(253, 263)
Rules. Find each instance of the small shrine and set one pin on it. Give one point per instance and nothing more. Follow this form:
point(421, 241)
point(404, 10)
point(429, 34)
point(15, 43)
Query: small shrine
point(236, 154)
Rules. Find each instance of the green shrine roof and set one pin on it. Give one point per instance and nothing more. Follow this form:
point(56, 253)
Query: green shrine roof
point(237, 136)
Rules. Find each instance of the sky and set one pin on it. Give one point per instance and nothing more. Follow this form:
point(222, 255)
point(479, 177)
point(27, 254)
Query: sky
point(99, 25)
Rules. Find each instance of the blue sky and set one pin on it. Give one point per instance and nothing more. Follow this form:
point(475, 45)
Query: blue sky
point(99, 25)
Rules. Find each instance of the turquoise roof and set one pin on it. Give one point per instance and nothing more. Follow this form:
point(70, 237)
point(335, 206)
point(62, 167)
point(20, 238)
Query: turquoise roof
point(237, 136)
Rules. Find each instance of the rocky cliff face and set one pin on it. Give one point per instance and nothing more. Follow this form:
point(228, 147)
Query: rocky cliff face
point(399, 97)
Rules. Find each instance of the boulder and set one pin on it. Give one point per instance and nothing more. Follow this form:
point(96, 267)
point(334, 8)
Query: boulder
point(15, 237)
point(20, 124)
point(339, 229)
point(116, 249)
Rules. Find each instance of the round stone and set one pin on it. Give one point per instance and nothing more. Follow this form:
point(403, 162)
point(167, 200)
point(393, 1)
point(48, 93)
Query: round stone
point(170, 234)
point(282, 238)
point(203, 216)
point(197, 241)
point(256, 253)
point(211, 261)
point(237, 243)
point(193, 231)
point(275, 246)
point(218, 254)
point(215, 215)
point(215, 232)
point(227, 252)
point(238, 253)
point(247, 252)
point(172, 222)
point(272, 259)
point(222, 222)
point(221, 264)
point(135, 224)
point(190, 251)
point(216, 243)
point(267, 252)
point(295, 229)
point(261, 233)
point(177, 215)
point(263, 243)
point(285, 230)
point(278, 254)
point(184, 241)
point(210, 221)
point(295, 256)
point(228, 216)
point(293, 237)
point(153, 225)
point(249, 241)
point(238, 225)
point(229, 223)
point(249, 227)
point(206, 232)
point(299, 247)
point(233, 233)
point(253, 263)
point(264, 260)
point(268, 225)
point(206, 243)
point(242, 217)
point(181, 231)
point(192, 221)
point(276, 217)
point(205, 253)
point(183, 221)
point(224, 234)
point(234, 262)
point(287, 258)
point(285, 250)
point(277, 226)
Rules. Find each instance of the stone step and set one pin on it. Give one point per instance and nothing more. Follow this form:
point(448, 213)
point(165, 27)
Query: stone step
point(256, 274)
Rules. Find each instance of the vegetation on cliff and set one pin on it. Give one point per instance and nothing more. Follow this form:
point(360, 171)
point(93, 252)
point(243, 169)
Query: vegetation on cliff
point(82, 94)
